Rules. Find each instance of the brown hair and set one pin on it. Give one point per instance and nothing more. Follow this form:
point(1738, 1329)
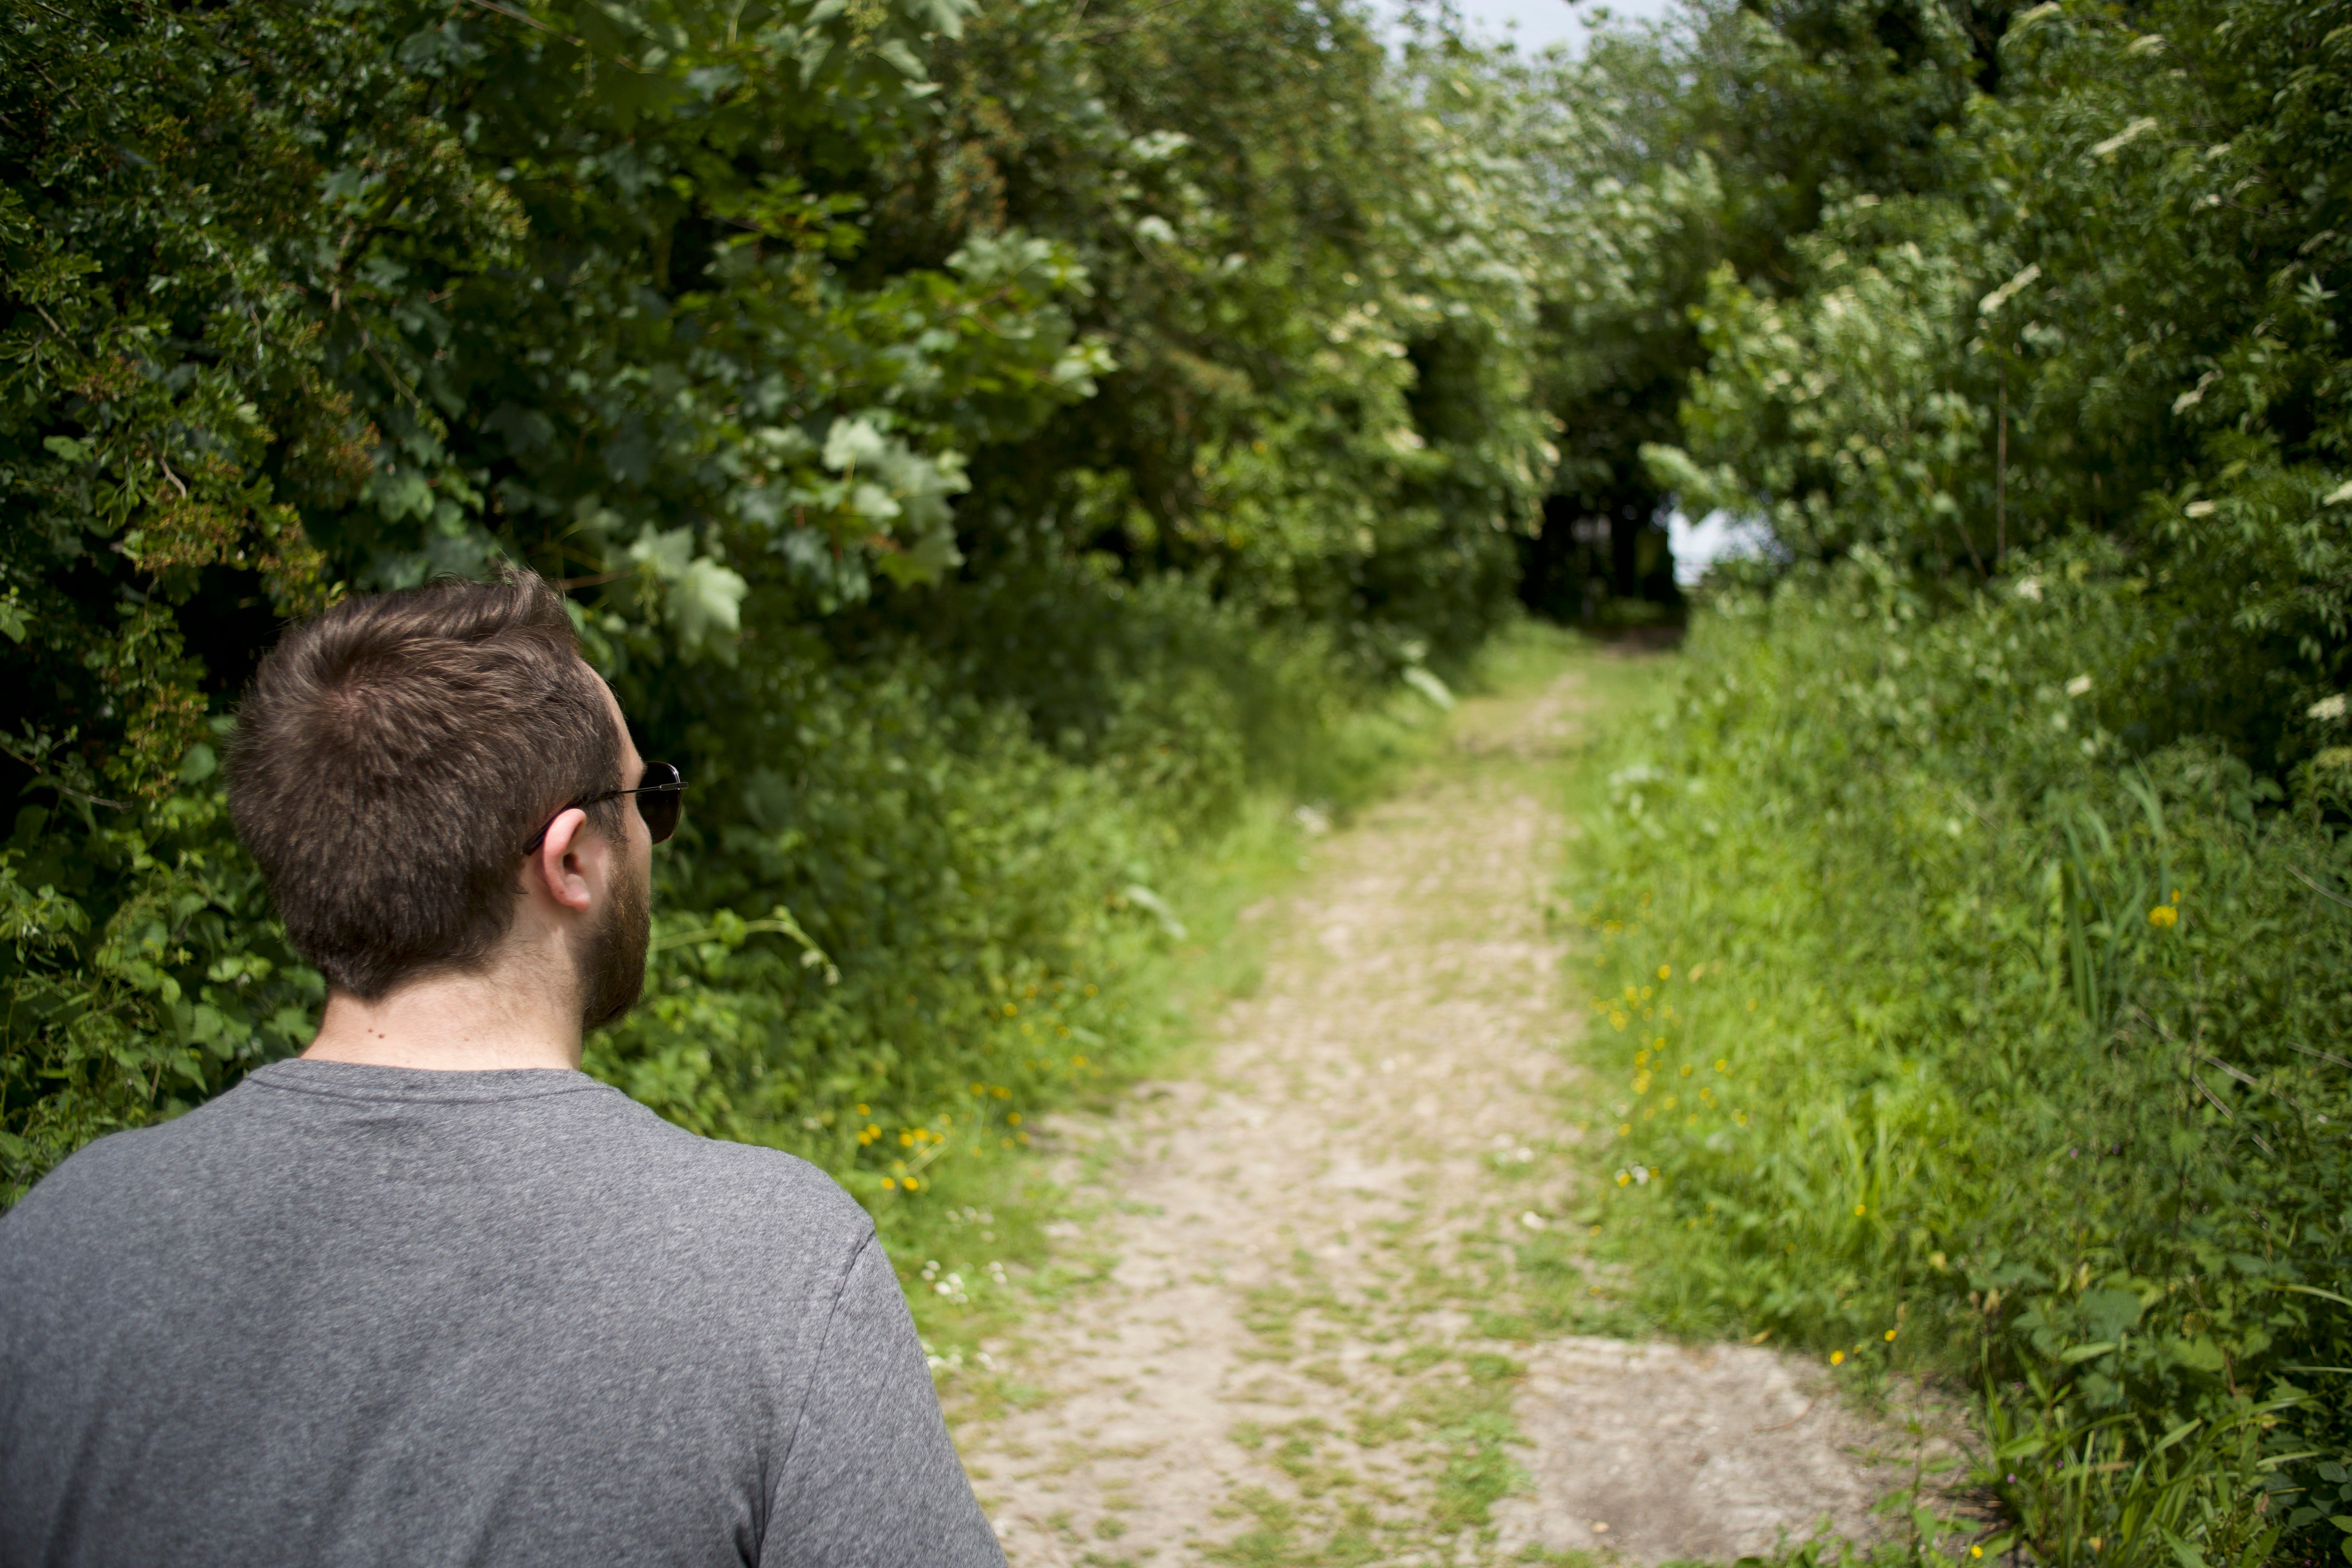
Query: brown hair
point(393, 756)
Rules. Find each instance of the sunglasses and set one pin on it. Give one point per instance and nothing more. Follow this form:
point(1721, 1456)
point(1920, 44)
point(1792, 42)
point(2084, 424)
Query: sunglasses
point(660, 791)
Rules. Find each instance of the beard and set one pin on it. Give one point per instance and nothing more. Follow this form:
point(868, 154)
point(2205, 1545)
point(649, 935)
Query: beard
point(613, 967)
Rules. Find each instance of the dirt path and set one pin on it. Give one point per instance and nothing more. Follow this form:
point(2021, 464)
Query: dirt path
point(1339, 1248)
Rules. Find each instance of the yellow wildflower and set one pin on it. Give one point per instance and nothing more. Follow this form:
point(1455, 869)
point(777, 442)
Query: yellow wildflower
point(1837, 1358)
point(2164, 917)
point(1860, 1210)
point(1665, 971)
point(1890, 1336)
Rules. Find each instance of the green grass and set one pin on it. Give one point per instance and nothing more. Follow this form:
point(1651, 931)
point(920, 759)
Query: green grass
point(1889, 1062)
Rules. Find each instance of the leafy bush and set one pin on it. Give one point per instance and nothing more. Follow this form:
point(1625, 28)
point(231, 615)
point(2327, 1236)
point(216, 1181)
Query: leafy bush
point(980, 505)
point(2110, 311)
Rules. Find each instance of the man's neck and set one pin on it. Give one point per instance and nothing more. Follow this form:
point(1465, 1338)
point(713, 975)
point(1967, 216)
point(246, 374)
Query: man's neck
point(453, 1023)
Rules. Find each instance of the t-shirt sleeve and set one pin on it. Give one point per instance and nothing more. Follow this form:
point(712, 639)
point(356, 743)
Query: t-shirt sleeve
point(871, 1477)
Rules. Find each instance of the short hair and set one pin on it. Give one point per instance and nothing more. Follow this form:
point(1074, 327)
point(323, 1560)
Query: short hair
point(393, 756)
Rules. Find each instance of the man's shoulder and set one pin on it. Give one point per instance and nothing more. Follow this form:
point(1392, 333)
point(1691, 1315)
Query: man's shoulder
point(714, 1173)
point(578, 1138)
point(134, 1156)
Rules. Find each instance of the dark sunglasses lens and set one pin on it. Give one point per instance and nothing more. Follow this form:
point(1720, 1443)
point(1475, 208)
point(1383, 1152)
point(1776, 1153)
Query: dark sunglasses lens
point(660, 812)
point(662, 795)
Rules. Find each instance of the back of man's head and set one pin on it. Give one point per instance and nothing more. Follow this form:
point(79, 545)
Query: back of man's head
point(395, 756)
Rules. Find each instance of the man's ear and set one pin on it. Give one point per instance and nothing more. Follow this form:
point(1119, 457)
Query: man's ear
point(557, 866)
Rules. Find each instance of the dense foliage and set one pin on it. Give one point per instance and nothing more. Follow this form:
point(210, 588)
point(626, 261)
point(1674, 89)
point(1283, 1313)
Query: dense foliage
point(986, 447)
point(981, 450)
point(1976, 918)
point(1941, 1041)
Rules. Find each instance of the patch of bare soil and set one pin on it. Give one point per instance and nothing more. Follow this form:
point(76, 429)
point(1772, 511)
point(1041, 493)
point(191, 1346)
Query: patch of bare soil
point(1322, 1341)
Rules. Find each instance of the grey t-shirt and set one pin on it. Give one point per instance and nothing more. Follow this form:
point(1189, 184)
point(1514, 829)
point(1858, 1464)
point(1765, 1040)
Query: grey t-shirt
point(366, 1315)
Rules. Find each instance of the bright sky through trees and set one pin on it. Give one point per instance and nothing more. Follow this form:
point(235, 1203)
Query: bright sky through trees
point(1533, 24)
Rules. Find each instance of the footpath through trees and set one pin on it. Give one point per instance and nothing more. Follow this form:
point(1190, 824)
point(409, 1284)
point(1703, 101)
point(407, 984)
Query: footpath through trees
point(1341, 1276)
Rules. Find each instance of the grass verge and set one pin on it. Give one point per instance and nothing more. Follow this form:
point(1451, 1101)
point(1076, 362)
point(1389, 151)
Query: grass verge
point(1936, 1033)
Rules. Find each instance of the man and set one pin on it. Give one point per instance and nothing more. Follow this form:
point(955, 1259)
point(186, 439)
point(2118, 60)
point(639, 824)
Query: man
point(429, 1294)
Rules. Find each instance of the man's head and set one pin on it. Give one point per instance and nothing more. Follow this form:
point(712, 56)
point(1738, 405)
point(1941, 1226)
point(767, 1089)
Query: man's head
point(394, 759)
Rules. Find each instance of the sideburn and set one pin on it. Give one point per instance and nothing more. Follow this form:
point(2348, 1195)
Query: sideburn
point(613, 969)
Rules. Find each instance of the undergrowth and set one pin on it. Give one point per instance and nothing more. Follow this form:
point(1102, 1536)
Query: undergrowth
point(1940, 1034)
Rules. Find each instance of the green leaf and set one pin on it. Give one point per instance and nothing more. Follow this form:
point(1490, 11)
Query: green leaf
point(705, 609)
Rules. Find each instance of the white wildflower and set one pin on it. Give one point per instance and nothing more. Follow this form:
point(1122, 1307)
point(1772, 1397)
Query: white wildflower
point(2328, 710)
point(2078, 686)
